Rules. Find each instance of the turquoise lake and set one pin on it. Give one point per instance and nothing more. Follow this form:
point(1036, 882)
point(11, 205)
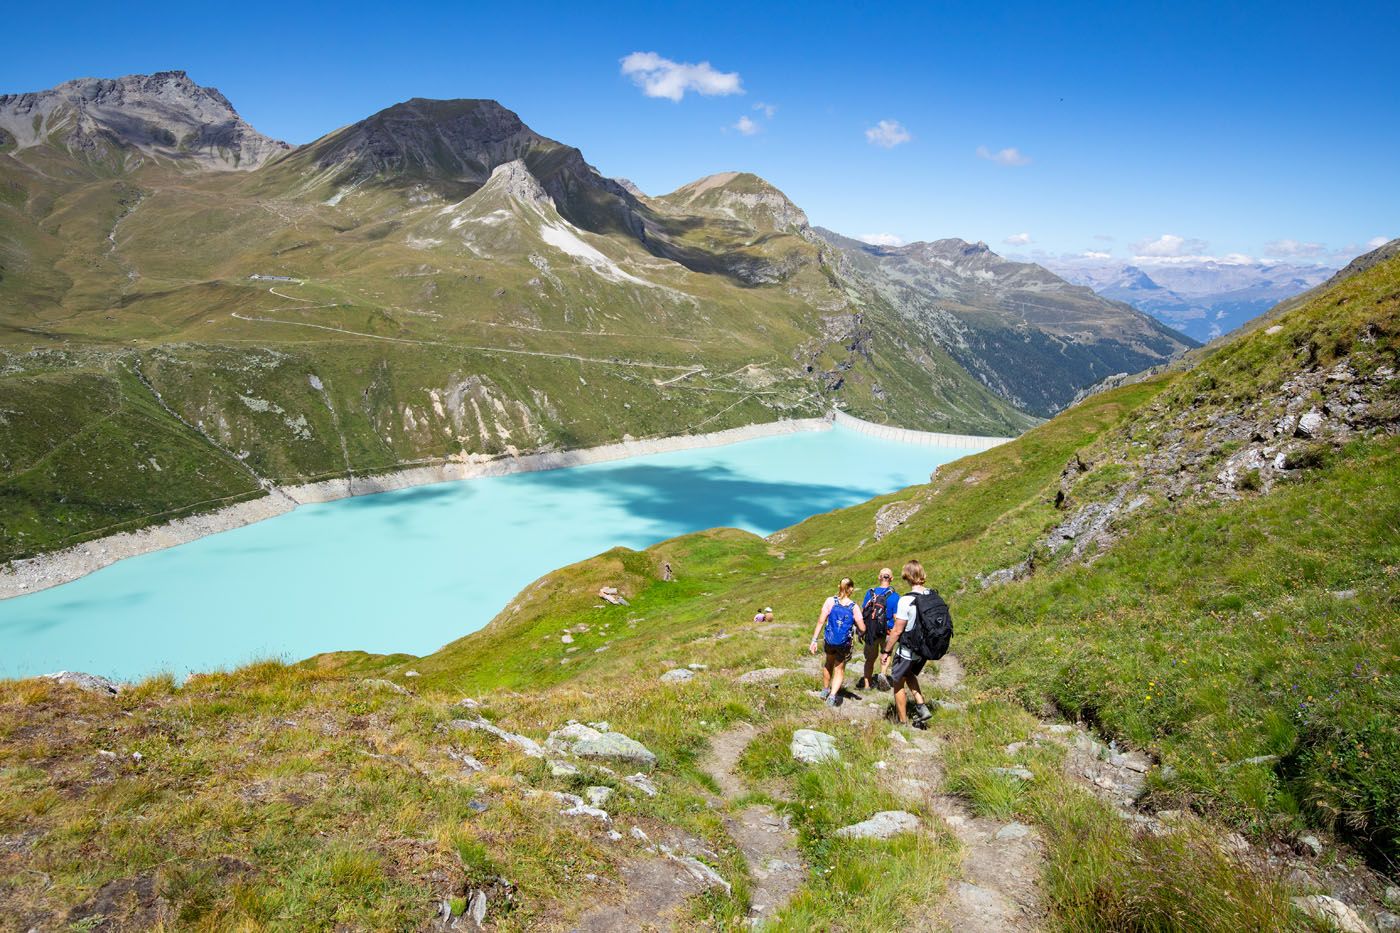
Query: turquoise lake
point(415, 569)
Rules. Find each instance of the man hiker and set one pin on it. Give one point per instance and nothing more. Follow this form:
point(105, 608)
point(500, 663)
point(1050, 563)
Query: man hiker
point(922, 630)
point(879, 606)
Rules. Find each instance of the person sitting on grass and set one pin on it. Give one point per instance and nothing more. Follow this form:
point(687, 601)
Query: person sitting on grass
point(838, 624)
point(907, 666)
point(878, 608)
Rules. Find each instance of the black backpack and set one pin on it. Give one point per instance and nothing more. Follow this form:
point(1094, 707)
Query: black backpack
point(873, 611)
point(932, 631)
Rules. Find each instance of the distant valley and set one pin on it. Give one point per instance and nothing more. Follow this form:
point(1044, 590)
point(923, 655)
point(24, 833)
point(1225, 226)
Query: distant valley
point(1200, 297)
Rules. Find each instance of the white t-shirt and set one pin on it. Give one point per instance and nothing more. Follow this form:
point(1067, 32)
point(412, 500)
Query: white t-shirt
point(909, 612)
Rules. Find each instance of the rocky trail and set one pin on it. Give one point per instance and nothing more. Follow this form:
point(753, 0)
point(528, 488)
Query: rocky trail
point(766, 838)
point(1001, 862)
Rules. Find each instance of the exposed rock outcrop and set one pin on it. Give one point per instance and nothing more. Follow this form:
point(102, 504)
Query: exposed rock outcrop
point(163, 115)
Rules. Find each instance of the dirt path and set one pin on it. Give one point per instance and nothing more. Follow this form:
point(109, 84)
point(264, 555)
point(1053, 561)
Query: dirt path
point(766, 838)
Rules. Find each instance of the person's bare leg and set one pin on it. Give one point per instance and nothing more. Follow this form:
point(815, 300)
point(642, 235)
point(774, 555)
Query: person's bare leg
point(900, 703)
point(837, 677)
point(826, 672)
point(869, 672)
point(914, 690)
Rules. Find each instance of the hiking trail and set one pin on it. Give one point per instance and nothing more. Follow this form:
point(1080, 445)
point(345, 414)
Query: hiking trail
point(765, 837)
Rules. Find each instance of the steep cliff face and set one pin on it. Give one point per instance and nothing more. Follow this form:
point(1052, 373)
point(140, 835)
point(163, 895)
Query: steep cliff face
point(163, 115)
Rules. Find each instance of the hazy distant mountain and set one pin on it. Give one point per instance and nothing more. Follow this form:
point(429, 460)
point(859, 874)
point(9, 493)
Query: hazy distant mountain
point(1026, 333)
point(1200, 297)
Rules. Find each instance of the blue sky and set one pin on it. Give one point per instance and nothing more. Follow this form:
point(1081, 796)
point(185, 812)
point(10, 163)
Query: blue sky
point(1188, 128)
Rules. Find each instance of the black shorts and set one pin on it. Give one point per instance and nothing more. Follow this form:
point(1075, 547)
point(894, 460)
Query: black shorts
point(837, 653)
point(906, 667)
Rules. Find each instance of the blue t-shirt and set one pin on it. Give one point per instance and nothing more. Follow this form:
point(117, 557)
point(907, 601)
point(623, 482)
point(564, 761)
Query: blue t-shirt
point(891, 603)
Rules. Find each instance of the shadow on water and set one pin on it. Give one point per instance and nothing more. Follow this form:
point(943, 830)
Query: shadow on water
point(681, 499)
point(416, 495)
point(68, 611)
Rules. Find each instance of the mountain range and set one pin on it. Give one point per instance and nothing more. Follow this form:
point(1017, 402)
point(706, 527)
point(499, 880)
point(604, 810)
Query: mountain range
point(1201, 297)
point(192, 312)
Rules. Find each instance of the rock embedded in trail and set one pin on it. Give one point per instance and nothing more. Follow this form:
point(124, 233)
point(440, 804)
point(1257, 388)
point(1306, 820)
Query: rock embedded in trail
point(812, 747)
point(678, 675)
point(89, 682)
point(883, 825)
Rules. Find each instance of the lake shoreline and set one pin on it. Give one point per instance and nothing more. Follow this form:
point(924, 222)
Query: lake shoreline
point(32, 575)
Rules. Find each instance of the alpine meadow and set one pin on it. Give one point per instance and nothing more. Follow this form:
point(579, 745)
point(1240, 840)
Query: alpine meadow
point(1139, 668)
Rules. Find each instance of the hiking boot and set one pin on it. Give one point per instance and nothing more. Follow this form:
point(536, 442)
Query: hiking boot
point(920, 724)
point(922, 713)
point(863, 683)
point(883, 683)
point(834, 700)
point(826, 693)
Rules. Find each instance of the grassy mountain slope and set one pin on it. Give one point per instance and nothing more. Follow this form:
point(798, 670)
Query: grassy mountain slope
point(1235, 622)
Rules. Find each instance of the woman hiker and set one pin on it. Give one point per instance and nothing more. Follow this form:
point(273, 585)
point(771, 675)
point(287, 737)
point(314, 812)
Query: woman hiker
point(837, 626)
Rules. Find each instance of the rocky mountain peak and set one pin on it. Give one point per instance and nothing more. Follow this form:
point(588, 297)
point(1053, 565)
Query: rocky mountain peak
point(514, 180)
point(165, 115)
point(456, 139)
point(742, 196)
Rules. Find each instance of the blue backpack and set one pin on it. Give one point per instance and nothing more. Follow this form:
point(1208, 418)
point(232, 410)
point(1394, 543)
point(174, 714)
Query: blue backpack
point(840, 622)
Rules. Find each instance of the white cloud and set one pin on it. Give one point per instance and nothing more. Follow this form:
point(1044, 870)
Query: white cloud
point(1293, 248)
point(887, 134)
point(881, 239)
point(1376, 242)
point(767, 109)
point(1215, 331)
point(1170, 245)
point(1017, 239)
point(1096, 254)
point(747, 126)
point(661, 77)
point(1008, 156)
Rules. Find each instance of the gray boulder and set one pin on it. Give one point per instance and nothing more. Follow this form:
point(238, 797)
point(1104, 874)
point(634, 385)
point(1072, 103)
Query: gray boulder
point(89, 682)
point(528, 746)
point(812, 747)
point(882, 825)
point(678, 675)
point(587, 742)
point(1331, 912)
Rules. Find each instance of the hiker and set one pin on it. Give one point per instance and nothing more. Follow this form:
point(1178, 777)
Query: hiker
point(838, 624)
point(763, 616)
point(922, 630)
point(878, 609)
